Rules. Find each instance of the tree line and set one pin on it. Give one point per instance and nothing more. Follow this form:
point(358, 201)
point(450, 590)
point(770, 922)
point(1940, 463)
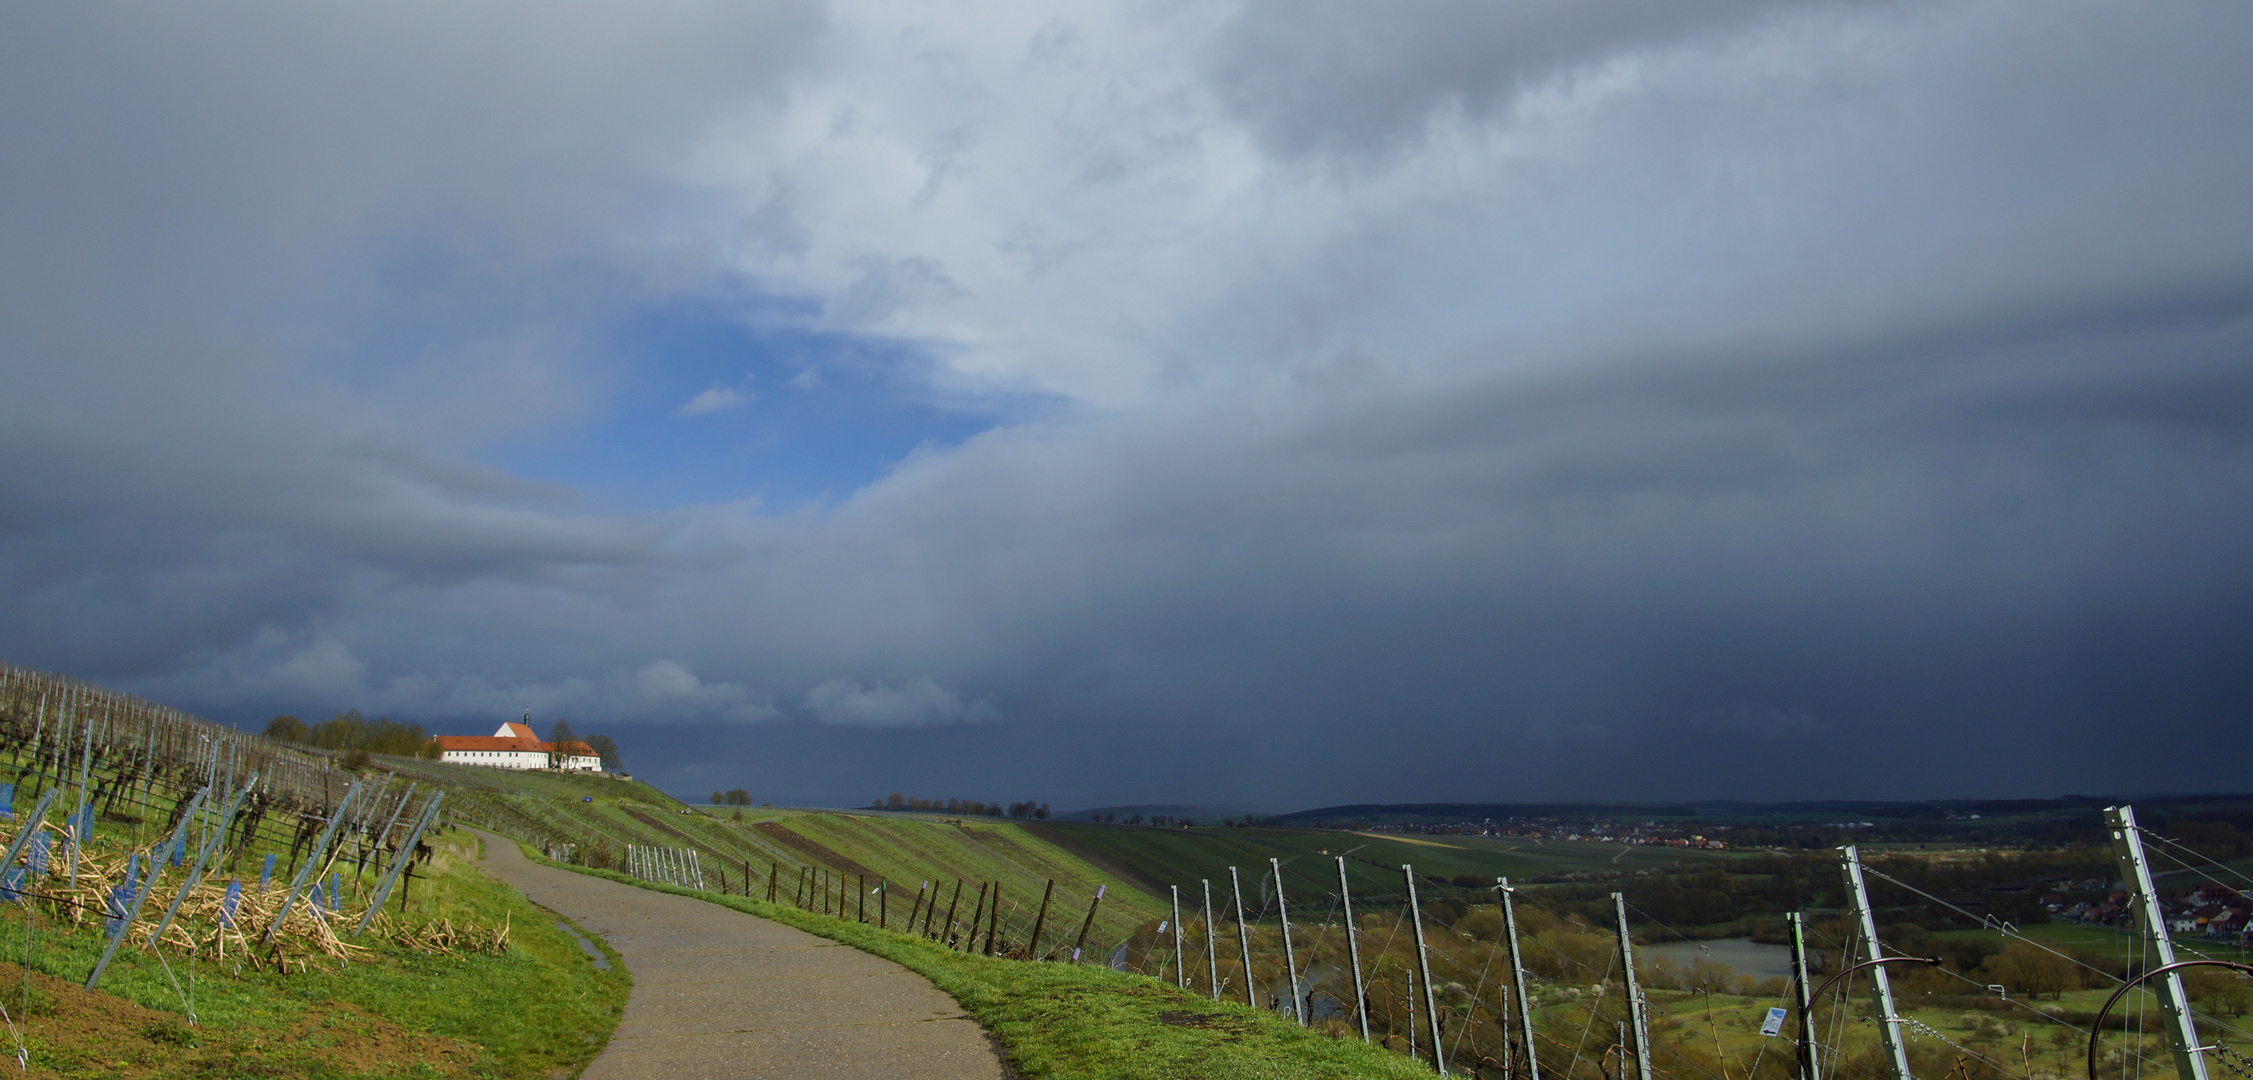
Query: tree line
point(897, 801)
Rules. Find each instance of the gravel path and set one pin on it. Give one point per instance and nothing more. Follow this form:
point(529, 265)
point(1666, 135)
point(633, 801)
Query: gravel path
point(721, 994)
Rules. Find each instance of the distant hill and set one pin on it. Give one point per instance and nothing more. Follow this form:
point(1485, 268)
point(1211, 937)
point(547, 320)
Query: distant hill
point(1208, 813)
point(2067, 818)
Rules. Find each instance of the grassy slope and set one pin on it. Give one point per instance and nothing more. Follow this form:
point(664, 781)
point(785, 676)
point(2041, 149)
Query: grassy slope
point(1087, 1021)
point(438, 1010)
point(1184, 856)
point(904, 849)
point(912, 849)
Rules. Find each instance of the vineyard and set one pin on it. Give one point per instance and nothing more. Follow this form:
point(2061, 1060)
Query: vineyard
point(1395, 939)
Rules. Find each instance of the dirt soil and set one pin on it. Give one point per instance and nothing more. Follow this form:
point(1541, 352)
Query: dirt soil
point(72, 1033)
point(813, 850)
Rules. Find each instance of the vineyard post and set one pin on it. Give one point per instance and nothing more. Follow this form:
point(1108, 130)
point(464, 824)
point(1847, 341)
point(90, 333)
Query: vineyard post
point(1636, 1026)
point(1881, 985)
point(406, 854)
point(404, 798)
point(141, 891)
point(1424, 970)
point(1212, 943)
point(948, 931)
point(31, 825)
point(85, 765)
point(1290, 958)
point(1042, 918)
point(1180, 980)
point(1517, 974)
point(1353, 949)
point(195, 873)
point(977, 913)
point(993, 922)
point(1799, 991)
point(1243, 935)
point(1089, 924)
point(298, 881)
point(2127, 850)
point(917, 910)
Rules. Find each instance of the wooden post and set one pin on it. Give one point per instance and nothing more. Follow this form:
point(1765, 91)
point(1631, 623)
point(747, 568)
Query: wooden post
point(883, 905)
point(1353, 949)
point(1243, 936)
point(917, 909)
point(1290, 958)
point(976, 914)
point(1089, 924)
point(993, 922)
point(1424, 970)
point(774, 879)
point(1041, 918)
point(950, 909)
point(860, 907)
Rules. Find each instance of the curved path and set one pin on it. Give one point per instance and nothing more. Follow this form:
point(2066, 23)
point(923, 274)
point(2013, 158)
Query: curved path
point(721, 994)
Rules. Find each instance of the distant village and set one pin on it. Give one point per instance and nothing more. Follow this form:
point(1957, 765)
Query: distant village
point(2213, 911)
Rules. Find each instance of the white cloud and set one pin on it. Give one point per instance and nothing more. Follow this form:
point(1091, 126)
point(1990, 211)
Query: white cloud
point(916, 703)
point(717, 399)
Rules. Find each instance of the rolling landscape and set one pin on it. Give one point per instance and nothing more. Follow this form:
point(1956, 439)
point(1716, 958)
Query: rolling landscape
point(1126, 540)
point(2016, 905)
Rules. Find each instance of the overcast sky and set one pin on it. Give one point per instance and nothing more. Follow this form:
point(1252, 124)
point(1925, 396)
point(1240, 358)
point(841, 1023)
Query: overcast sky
point(1272, 404)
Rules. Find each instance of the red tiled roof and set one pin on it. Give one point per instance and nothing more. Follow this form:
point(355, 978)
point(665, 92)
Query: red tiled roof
point(530, 746)
point(488, 742)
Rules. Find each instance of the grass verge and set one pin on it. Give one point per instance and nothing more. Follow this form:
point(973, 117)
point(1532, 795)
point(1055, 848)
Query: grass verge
point(540, 1009)
point(1086, 1021)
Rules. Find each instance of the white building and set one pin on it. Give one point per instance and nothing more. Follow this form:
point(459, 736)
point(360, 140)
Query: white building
point(514, 746)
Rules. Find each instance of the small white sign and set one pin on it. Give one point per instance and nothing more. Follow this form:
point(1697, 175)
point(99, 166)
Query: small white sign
point(1775, 1022)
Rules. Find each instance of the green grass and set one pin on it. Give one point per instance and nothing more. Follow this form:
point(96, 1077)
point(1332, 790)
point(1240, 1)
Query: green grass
point(1087, 1021)
point(538, 1010)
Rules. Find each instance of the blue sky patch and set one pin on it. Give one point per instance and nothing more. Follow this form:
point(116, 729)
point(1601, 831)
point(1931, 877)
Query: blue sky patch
point(709, 409)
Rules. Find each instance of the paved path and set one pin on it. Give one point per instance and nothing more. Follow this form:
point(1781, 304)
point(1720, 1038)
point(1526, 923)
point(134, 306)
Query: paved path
point(721, 994)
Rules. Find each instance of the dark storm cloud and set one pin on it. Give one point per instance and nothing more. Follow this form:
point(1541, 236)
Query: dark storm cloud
point(1746, 400)
point(1342, 78)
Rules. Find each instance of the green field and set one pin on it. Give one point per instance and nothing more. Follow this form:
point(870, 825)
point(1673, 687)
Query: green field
point(1162, 856)
point(2110, 941)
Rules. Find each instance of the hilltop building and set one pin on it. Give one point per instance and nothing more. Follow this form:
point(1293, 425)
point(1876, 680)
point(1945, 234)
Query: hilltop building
point(515, 747)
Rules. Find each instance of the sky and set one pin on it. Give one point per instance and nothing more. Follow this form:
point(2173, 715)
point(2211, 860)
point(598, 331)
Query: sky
point(1262, 404)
